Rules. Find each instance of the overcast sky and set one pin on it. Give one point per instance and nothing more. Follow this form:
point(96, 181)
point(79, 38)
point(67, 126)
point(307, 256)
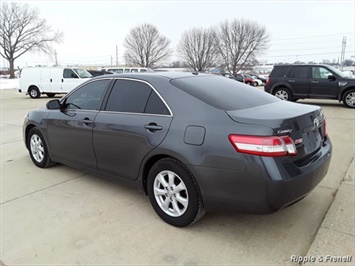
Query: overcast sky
point(300, 30)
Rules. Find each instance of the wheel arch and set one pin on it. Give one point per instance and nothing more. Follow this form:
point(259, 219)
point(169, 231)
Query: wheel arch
point(279, 86)
point(148, 164)
point(345, 90)
point(27, 130)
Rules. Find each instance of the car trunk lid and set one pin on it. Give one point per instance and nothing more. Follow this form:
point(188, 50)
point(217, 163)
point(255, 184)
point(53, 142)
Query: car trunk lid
point(305, 124)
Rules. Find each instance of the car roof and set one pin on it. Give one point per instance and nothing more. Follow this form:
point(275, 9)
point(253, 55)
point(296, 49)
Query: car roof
point(145, 75)
point(287, 65)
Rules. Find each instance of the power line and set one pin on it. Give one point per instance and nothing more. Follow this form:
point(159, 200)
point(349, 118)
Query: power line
point(315, 36)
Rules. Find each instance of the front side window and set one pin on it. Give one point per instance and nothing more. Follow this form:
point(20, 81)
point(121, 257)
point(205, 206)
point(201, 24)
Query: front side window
point(69, 74)
point(134, 70)
point(87, 97)
point(320, 73)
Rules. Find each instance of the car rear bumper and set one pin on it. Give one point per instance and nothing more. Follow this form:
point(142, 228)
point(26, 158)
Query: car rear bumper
point(268, 184)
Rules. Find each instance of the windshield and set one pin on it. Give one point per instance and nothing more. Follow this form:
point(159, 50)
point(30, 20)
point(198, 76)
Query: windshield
point(338, 72)
point(82, 73)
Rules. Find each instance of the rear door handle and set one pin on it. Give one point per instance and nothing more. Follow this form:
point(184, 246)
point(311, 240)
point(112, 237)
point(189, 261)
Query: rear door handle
point(291, 80)
point(152, 127)
point(86, 121)
point(314, 81)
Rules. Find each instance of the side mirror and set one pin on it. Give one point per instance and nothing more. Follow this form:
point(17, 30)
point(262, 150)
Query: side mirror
point(331, 77)
point(53, 104)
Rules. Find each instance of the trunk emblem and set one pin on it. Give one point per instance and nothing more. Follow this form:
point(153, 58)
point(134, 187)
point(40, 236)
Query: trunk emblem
point(284, 131)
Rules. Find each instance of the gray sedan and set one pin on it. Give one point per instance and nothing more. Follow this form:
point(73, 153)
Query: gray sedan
point(192, 142)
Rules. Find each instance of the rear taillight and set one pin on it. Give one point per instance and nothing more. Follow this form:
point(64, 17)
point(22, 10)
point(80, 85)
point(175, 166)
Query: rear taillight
point(268, 81)
point(325, 126)
point(264, 145)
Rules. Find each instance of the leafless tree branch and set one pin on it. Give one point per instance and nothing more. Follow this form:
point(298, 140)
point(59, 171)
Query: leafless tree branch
point(145, 46)
point(197, 48)
point(240, 41)
point(21, 31)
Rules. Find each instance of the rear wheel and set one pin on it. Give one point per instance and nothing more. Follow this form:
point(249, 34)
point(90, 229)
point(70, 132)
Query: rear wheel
point(283, 94)
point(34, 92)
point(174, 193)
point(50, 95)
point(349, 99)
point(38, 149)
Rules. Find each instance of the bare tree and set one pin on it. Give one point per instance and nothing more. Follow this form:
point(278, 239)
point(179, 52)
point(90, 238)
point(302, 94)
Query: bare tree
point(145, 46)
point(197, 48)
point(21, 31)
point(241, 41)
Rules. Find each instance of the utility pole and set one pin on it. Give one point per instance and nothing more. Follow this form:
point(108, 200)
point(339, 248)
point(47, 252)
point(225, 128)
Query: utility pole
point(111, 60)
point(342, 56)
point(116, 56)
point(55, 58)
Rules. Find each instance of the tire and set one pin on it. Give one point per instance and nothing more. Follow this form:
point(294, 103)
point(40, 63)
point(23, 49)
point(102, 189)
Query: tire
point(283, 94)
point(249, 83)
point(33, 91)
point(38, 150)
point(50, 95)
point(174, 193)
point(349, 99)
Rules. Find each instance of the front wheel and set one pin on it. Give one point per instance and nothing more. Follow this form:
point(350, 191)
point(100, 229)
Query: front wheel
point(349, 99)
point(38, 149)
point(34, 92)
point(283, 94)
point(174, 193)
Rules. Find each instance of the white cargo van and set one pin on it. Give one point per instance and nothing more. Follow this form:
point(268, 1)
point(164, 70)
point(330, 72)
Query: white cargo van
point(119, 70)
point(35, 81)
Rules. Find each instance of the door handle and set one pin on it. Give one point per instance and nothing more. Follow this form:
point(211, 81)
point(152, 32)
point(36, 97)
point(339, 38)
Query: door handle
point(62, 80)
point(314, 81)
point(291, 80)
point(51, 80)
point(86, 121)
point(153, 127)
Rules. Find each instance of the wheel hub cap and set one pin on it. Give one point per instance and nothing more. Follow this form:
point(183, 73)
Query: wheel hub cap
point(170, 193)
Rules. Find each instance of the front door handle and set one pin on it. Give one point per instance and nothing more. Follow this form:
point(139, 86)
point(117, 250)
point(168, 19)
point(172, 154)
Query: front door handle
point(291, 80)
point(153, 127)
point(315, 81)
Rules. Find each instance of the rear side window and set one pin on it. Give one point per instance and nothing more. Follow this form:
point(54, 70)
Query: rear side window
point(299, 72)
point(156, 106)
point(223, 93)
point(128, 96)
point(279, 72)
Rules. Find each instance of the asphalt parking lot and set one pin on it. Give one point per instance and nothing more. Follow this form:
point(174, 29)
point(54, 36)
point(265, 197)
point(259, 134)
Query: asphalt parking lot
point(62, 215)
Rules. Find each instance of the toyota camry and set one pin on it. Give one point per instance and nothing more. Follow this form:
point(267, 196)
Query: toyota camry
point(192, 142)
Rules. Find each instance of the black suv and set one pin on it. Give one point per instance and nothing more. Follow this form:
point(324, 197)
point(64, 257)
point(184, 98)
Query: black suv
point(293, 82)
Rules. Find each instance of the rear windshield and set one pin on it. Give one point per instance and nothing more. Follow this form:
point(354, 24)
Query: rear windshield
point(223, 93)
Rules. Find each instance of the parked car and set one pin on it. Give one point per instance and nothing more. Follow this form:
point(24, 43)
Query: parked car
point(293, 82)
point(263, 80)
point(96, 73)
point(256, 82)
point(119, 70)
point(241, 150)
point(239, 78)
point(247, 79)
point(220, 72)
point(35, 81)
